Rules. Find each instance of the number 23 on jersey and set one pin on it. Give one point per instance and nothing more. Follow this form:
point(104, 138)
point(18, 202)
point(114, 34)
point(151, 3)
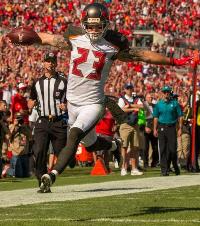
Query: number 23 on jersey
point(97, 66)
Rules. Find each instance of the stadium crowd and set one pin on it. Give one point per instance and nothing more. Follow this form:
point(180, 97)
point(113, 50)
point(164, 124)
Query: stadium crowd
point(173, 19)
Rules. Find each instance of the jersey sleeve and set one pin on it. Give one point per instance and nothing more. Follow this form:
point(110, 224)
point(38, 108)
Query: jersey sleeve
point(62, 77)
point(118, 40)
point(72, 31)
point(64, 98)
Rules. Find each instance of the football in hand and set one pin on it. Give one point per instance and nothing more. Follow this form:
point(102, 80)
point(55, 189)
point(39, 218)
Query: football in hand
point(23, 36)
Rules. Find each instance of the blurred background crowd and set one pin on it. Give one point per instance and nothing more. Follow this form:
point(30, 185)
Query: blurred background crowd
point(173, 19)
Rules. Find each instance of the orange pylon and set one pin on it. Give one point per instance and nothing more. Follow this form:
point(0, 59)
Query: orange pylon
point(99, 168)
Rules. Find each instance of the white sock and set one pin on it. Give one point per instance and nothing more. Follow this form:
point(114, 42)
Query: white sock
point(54, 172)
point(114, 146)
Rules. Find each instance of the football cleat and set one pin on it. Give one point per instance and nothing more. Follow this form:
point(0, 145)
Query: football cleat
point(46, 181)
point(44, 191)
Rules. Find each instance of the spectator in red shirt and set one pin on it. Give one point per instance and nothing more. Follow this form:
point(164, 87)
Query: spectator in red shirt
point(105, 128)
point(19, 103)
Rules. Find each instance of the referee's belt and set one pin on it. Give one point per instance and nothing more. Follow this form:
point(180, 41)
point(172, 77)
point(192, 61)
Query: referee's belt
point(52, 118)
point(167, 124)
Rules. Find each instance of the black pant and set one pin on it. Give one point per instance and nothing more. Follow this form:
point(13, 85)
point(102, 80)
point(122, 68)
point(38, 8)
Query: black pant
point(197, 147)
point(1, 166)
point(44, 132)
point(167, 138)
point(22, 166)
point(151, 139)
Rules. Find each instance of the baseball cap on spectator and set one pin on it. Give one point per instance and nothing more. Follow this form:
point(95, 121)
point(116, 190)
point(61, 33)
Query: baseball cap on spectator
point(166, 89)
point(128, 86)
point(22, 86)
point(50, 57)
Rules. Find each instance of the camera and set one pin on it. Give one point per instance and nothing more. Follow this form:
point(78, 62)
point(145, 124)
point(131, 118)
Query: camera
point(135, 96)
point(19, 118)
point(173, 96)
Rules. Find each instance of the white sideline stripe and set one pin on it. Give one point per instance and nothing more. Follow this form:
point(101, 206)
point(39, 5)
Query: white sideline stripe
point(85, 191)
point(144, 221)
point(104, 220)
point(171, 197)
point(30, 180)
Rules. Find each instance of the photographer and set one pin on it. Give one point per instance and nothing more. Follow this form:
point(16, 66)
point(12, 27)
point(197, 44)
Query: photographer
point(20, 135)
point(3, 129)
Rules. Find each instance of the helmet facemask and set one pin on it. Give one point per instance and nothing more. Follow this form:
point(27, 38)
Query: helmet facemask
point(95, 28)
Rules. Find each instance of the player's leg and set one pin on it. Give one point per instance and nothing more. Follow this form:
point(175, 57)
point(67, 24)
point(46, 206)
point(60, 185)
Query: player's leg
point(118, 114)
point(82, 119)
point(58, 139)
point(82, 129)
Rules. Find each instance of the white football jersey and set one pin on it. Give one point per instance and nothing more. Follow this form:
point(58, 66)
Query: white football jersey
point(90, 65)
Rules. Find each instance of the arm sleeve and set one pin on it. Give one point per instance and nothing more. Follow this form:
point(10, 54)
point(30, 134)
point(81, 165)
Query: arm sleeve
point(64, 99)
point(118, 40)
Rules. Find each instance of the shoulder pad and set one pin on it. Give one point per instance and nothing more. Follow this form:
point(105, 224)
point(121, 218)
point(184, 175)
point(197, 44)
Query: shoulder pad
point(73, 31)
point(117, 39)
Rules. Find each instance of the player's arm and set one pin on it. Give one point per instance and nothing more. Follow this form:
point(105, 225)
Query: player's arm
point(136, 54)
point(54, 40)
point(27, 36)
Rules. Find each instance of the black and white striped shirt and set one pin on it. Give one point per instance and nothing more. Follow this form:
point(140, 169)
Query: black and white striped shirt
point(49, 93)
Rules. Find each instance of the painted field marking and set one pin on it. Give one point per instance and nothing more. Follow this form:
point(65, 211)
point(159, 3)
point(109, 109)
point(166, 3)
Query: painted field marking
point(85, 191)
point(103, 220)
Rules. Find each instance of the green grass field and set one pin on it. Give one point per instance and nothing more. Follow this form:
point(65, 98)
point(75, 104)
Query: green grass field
point(171, 207)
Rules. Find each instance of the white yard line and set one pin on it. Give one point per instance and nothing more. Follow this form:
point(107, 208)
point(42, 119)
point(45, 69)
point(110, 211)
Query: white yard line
point(124, 220)
point(84, 191)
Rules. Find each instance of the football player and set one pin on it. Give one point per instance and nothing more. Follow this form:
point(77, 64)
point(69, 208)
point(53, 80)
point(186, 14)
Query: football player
point(94, 47)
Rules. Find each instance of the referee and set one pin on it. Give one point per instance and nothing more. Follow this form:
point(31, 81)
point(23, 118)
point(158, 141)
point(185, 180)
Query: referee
point(48, 94)
point(167, 112)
